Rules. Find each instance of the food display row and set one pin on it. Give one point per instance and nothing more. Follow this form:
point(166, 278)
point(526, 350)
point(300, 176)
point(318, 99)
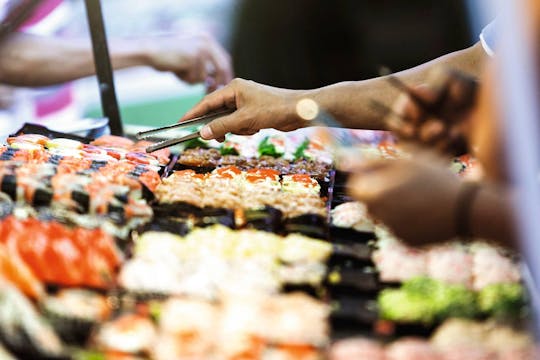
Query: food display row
point(245, 250)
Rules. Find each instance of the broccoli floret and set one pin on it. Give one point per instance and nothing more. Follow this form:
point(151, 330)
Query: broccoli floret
point(502, 300)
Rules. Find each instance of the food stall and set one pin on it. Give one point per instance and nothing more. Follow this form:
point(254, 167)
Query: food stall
point(249, 249)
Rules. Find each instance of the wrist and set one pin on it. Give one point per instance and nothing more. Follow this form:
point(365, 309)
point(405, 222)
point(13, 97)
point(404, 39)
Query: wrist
point(464, 209)
point(492, 216)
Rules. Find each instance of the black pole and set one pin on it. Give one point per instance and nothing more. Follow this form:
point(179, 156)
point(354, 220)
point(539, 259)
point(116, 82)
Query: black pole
point(104, 72)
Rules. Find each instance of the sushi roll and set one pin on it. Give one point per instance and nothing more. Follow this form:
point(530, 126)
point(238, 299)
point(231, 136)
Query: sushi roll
point(412, 349)
point(265, 219)
point(491, 266)
point(127, 334)
point(23, 331)
point(194, 336)
point(262, 179)
point(74, 312)
point(300, 183)
point(8, 184)
point(142, 158)
point(29, 138)
point(209, 216)
point(352, 215)
point(357, 348)
point(311, 225)
point(63, 143)
point(284, 324)
point(113, 141)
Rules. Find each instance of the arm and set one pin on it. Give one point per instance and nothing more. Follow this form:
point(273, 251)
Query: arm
point(418, 200)
point(30, 60)
point(348, 102)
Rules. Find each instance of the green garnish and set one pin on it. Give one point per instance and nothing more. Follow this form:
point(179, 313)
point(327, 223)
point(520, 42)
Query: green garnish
point(228, 150)
point(502, 300)
point(267, 148)
point(427, 300)
point(299, 153)
point(195, 143)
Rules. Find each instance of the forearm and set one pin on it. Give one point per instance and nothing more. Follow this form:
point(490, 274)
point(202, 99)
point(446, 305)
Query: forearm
point(492, 217)
point(30, 60)
point(349, 102)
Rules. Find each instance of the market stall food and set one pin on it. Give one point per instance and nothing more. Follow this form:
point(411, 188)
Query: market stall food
point(235, 254)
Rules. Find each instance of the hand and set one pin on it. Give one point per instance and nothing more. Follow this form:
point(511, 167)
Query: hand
point(193, 58)
point(436, 114)
point(257, 107)
point(416, 199)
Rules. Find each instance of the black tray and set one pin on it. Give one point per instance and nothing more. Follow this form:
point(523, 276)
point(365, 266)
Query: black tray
point(42, 130)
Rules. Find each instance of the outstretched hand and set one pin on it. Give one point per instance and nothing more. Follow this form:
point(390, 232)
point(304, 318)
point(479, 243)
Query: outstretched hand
point(257, 107)
point(194, 58)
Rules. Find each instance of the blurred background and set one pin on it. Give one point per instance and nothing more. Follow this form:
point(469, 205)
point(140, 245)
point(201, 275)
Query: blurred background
point(294, 44)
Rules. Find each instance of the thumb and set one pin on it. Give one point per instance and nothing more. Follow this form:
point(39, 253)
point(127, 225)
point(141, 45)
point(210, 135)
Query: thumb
point(218, 128)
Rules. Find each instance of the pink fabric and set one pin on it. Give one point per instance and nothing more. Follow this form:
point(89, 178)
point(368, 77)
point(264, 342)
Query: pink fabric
point(42, 11)
point(56, 101)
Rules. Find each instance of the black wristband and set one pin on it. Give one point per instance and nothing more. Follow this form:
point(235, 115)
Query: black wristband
point(465, 199)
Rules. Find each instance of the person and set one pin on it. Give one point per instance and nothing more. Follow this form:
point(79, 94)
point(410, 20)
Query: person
point(422, 201)
point(260, 106)
point(39, 55)
point(394, 192)
point(33, 60)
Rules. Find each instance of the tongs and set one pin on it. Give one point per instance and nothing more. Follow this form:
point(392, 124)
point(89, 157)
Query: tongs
point(201, 120)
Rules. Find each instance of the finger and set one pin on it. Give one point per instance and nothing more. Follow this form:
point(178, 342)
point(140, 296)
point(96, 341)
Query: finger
point(352, 161)
point(220, 127)
point(210, 84)
point(222, 98)
point(222, 64)
point(197, 73)
point(404, 110)
point(367, 187)
point(431, 131)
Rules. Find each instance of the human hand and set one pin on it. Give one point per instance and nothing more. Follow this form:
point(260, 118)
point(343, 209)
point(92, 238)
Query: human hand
point(416, 199)
point(437, 113)
point(193, 58)
point(257, 107)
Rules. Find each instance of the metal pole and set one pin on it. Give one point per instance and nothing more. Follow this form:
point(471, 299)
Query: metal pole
point(102, 62)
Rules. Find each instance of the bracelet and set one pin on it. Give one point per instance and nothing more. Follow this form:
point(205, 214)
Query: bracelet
point(465, 199)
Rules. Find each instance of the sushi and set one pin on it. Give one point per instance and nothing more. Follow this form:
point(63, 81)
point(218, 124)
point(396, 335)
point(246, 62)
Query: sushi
point(74, 312)
point(23, 331)
point(62, 256)
point(352, 215)
point(127, 334)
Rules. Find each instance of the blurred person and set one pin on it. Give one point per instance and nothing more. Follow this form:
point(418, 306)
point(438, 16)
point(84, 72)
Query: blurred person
point(423, 202)
point(38, 55)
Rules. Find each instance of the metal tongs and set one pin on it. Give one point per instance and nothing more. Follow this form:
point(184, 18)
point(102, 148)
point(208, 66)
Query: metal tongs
point(201, 120)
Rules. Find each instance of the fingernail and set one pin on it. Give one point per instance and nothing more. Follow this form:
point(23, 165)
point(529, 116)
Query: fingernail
point(206, 132)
